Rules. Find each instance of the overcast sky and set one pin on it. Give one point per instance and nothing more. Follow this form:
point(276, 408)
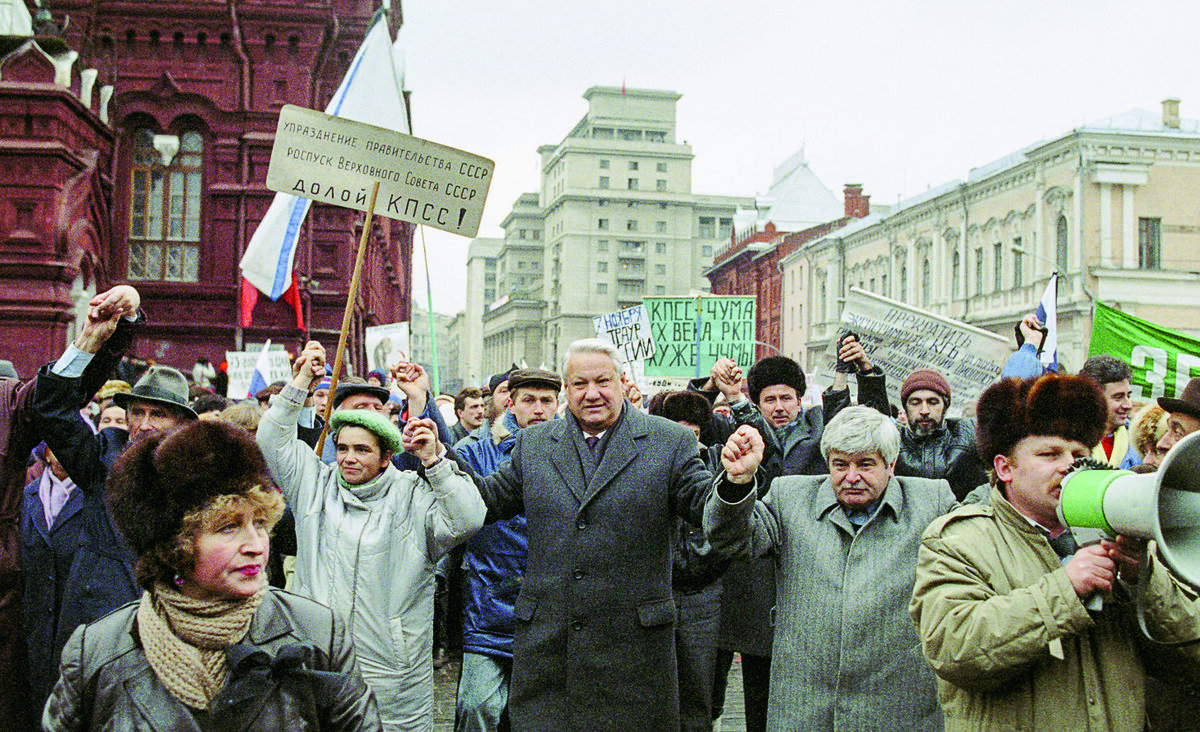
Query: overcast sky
point(898, 96)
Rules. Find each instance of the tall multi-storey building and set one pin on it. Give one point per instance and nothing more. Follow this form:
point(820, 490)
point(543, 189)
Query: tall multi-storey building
point(481, 291)
point(618, 221)
point(1111, 206)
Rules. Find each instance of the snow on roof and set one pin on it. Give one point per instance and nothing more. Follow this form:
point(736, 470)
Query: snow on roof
point(1141, 120)
point(796, 200)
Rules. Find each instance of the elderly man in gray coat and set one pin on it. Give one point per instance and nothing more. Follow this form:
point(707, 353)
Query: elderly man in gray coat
point(594, 647)
point(846, 654)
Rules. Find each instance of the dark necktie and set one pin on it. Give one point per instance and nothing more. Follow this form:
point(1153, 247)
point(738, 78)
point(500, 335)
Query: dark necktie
point(592, 441)
point(1064, 545)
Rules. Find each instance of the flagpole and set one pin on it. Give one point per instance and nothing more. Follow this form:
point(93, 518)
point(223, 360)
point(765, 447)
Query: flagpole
point(350, 298)
point(433, 369)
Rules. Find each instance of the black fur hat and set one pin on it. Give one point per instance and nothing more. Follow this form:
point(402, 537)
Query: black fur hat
point(161, 478)
point(1070, 407)
point(774, 370)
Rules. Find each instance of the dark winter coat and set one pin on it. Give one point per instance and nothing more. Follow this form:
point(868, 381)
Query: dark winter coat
point(948, 453)
point(101, 577)
point(595, 637)
point(19, 433)
point(107, 682)
point(46, 557)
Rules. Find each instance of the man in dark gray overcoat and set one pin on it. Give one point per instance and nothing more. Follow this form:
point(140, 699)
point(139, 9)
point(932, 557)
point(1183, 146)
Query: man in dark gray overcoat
point(846, 653)
point(594, 647)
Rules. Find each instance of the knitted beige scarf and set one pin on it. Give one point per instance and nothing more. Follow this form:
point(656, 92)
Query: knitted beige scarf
point(184, 640)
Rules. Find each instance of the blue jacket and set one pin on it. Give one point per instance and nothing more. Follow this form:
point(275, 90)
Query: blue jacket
point(494, 560)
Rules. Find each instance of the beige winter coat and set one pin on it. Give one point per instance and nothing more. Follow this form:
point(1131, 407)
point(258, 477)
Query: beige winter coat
point(1013, 646)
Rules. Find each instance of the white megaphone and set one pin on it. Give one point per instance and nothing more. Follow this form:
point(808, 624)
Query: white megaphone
point(1164, 506)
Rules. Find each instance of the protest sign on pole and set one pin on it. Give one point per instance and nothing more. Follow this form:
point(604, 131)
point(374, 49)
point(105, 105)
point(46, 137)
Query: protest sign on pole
point(1163, 360)
point(386, 346)
point(241, 368)
point(900, 339)
point(336, 161)
point(688, 340)
point(346, 163)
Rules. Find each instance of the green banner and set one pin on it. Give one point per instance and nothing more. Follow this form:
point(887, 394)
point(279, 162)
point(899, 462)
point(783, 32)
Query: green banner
point(725, 329)
point(1163, 360)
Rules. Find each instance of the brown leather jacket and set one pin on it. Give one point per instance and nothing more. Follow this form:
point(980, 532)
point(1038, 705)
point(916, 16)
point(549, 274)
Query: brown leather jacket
point(106, 682)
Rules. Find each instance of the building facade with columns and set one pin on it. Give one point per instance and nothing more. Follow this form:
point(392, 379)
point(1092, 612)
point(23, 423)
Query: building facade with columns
point(1110, 206)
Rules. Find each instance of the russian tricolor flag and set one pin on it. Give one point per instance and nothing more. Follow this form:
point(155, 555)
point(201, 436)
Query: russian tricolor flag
point(1047, 313)
point(258, 380)
point(372, 93)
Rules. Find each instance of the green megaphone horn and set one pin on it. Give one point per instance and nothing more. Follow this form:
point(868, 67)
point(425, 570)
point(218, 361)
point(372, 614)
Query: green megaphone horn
point(1164, 506)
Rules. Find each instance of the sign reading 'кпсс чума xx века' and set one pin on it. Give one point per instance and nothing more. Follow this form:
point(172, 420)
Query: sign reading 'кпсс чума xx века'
point(686, 345)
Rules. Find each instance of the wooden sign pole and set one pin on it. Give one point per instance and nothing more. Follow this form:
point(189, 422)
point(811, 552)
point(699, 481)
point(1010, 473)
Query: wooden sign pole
point(350, 298)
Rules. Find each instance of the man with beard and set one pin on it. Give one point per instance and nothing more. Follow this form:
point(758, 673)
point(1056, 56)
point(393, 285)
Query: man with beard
point(933, 445)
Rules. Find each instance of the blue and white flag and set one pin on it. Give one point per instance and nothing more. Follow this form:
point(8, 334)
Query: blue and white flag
point(1047, 313)
point(369, 93)
point(258, 380)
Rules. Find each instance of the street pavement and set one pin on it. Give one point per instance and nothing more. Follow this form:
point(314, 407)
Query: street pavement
point(445, 682)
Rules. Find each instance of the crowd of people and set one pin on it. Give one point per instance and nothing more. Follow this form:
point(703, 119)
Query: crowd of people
point(178, 559)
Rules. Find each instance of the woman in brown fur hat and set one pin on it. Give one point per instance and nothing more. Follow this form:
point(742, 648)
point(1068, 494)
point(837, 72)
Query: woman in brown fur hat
point(210, 645)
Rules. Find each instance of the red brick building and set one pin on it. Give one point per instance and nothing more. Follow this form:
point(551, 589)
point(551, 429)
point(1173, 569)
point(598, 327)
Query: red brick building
point(159, 181)
point(750, 265)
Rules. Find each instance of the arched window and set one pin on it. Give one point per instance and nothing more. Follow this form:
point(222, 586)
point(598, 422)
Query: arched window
point(164, 206)
point(956, 275)
point(903, 283)
point(926, 282)
point(1064, 252)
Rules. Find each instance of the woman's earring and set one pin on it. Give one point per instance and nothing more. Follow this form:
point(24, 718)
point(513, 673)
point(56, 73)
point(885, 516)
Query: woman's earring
point(178, 581)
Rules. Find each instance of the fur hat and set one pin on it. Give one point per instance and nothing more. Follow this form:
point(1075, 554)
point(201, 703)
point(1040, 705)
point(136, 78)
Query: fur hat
point(774, 370)
point(1070, 407)
point(925, 379)
point(686, 406)
point(389, 436)
point(162, 477)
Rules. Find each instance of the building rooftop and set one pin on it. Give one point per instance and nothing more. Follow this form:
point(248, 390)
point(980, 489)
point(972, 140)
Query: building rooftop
point(796, 200)
point(1141, 120)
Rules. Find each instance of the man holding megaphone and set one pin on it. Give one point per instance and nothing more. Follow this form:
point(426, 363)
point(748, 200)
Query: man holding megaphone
point(1001, 591)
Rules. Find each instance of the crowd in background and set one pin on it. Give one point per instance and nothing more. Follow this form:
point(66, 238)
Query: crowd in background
point(596, 560)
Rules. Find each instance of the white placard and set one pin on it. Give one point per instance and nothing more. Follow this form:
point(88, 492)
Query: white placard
point(241, 369)
point(336, 161)
point(629, 331)
point(901, 339)
point(387, 345)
